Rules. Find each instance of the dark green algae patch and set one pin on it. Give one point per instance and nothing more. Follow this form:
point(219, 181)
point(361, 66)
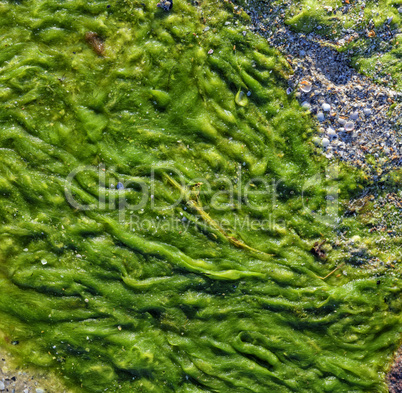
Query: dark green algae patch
point(204, 302)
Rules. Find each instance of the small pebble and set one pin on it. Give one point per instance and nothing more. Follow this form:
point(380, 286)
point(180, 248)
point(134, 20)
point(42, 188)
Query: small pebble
point(367, 111)
point(305, 86)
point(341, 121)
point(248, 93)
point(326, 107)
point(325, 142)
point(39, 390)
point(2, 387)
point(354, 116)
point(331, 132)
point(289, 90)
point(349, 126)
point(120, 186)
point(400, 10)
point(306, 105)
point(320, 116)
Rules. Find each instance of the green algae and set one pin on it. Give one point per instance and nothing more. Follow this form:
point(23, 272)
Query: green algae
point(375, 56)
point(201, 286)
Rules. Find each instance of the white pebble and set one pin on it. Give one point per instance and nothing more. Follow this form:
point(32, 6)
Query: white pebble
point(349, 126)
point(2, 387)
point(354, 116)
point(43, 261)
point(326, 107)
point(331, 132)
point(367, 111)
point(325, 142)
point(320, 116)
point(341, 121)
point(39, 390)
point(306, 105)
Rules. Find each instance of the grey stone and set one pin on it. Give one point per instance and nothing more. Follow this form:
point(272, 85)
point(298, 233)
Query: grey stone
point(354, 116)
point(367, 111)
point(320, 116)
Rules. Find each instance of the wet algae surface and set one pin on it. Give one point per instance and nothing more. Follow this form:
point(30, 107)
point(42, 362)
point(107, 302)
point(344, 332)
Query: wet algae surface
point(163, 210)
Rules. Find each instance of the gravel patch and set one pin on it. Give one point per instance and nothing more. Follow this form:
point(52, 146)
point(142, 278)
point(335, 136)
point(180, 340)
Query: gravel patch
point(364, 115)
point(394, 376)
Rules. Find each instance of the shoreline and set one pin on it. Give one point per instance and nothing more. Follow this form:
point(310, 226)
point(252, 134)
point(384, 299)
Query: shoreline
point(357, 119)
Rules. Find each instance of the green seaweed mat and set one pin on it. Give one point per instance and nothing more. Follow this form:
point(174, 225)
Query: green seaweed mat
point(197, 276)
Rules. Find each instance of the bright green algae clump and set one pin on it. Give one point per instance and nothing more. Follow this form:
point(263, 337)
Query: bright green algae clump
point(171, 299)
